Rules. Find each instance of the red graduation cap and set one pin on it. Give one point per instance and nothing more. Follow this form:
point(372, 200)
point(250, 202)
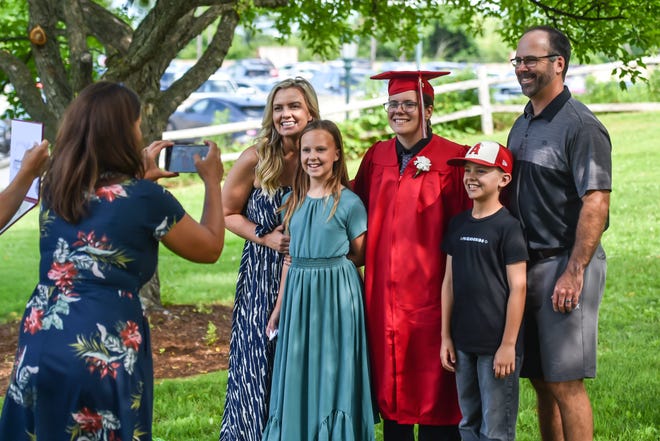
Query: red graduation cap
point(417, 80)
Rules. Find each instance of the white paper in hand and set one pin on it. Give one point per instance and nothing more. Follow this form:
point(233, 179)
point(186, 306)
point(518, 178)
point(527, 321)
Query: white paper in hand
point(24, 136)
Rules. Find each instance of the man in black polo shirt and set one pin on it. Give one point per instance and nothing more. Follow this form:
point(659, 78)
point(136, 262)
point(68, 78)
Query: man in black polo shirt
point(560, 193)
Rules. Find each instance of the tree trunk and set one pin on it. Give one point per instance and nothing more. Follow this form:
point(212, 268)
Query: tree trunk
point(150, 295)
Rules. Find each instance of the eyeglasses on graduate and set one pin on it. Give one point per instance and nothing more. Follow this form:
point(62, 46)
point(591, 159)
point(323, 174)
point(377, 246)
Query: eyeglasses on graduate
point(408, 106)
point(531, 61)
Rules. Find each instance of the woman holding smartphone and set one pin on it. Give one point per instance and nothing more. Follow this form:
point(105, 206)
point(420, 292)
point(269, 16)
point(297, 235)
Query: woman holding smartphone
point(84, 368)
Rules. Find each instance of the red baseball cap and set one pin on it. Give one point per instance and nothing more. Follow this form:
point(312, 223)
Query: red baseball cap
point(489, 153)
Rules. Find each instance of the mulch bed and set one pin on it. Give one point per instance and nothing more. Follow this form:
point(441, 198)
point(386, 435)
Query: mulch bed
point(183, 342)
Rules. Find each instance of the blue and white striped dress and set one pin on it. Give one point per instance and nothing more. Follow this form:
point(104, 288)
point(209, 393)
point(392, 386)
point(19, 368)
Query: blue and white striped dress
point(250, 353)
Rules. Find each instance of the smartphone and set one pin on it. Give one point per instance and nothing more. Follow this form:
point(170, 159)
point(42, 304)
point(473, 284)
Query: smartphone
point(180, 157)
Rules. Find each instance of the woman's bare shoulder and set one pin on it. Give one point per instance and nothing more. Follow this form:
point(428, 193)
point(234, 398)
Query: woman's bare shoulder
point(249, 156)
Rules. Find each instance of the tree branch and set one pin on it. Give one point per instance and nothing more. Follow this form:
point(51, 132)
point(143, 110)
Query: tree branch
point(560, 12)
point(166, 23)
point(209, 62)
point(48, 60)
point(271, 4)
point(172, 24)
point(23, 81)
point(80, 60)
point(114, 34)
point(175, 36)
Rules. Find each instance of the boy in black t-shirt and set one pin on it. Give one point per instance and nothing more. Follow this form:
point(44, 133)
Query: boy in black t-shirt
point(483, 298)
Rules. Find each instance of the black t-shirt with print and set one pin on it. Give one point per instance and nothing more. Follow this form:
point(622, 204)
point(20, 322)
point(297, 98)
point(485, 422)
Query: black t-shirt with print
point(481, 249)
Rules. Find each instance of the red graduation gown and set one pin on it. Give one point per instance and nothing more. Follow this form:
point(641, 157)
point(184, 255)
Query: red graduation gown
point(407, 220)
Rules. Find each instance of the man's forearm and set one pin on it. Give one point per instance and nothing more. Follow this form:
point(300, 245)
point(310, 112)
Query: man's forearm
point(590, 227)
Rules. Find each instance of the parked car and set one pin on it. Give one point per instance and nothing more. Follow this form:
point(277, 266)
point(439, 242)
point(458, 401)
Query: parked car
point(167, 79)
point(262, 86)
point(219, 82)
point(445, 66)
point(246, 88)
point(174, 71)
point(504, 92)
point(305, 69)
point(252, 68)
point(5, 136)
point(209, 109)
point(332, 81)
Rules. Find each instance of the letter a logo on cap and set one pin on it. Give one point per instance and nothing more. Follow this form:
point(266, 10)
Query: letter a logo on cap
point(484, 152)
point(474, 150)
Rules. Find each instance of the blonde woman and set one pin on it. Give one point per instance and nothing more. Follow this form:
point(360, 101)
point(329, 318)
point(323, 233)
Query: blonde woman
point(252, 195)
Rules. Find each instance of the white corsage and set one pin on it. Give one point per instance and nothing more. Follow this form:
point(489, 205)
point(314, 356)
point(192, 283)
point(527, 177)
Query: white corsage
point(423, 164)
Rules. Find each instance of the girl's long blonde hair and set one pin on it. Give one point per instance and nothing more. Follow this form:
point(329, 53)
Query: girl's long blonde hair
point(269, 147)
point(335, 183)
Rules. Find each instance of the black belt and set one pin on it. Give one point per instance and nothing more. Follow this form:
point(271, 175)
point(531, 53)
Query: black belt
point(537, 255)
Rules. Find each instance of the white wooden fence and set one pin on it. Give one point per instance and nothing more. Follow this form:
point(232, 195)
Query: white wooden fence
point(485, 108)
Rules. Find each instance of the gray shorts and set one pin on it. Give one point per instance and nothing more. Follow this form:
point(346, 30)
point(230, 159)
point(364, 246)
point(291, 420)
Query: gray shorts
point(562, 347)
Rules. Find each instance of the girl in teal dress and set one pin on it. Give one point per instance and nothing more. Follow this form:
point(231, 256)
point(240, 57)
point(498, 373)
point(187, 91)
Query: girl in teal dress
point(321, 388)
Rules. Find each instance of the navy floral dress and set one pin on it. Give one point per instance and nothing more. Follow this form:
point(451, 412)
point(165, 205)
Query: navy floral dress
point(83, 368)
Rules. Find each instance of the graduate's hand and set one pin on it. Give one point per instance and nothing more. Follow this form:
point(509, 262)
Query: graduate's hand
point(504, 363)
point(448, 354)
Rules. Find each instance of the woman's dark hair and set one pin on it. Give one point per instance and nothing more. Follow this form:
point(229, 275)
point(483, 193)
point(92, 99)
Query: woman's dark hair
point(98, 135)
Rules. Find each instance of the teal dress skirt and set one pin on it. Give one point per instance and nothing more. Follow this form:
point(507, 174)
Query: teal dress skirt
point(321, 388)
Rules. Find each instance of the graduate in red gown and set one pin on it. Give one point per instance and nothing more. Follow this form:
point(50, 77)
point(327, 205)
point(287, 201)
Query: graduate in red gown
point(410, 194)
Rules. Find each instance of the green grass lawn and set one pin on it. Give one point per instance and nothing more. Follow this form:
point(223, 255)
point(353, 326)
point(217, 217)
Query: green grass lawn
point(626, 393)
